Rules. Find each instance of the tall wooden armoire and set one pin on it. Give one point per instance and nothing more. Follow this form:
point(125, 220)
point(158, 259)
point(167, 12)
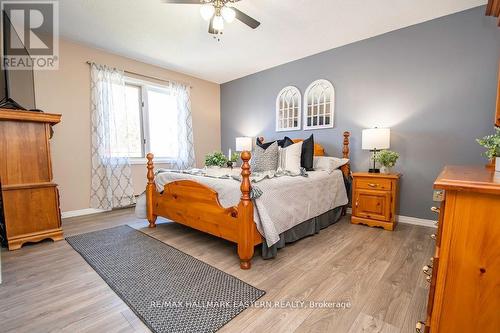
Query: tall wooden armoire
point(30, 199)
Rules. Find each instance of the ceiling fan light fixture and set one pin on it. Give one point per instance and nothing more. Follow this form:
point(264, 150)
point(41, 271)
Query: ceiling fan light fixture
point(228, 14)
point(218, 23)
point(207, 11)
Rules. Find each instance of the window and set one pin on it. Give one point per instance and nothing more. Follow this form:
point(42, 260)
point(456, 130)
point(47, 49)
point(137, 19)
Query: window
point(319, 105)
point(288, 109)
point(148, 122)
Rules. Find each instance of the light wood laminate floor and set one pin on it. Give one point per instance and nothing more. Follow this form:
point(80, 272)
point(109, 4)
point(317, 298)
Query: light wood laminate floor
point(48, 287)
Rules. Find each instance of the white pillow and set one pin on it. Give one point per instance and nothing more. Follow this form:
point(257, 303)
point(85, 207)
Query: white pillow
point(289, 158)
point(328, 163)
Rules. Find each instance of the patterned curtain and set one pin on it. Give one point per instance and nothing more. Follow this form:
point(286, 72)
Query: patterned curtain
point(185, 156)
point(111, 174)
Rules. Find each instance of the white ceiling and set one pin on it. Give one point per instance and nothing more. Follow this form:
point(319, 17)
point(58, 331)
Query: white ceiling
point(175, 36)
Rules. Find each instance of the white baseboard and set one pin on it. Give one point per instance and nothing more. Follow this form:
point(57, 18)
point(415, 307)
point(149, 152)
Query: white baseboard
point(416, 221)
point(81, 212)
point(409, 220)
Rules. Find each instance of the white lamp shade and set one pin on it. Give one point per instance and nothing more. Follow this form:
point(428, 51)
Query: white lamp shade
point(228, 14)
point(376, 138)
point(244, 143)
point(207, 11)
point(218, 23)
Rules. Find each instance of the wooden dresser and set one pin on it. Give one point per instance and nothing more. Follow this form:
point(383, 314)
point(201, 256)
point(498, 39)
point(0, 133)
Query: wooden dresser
point(464, 274)
point(375, 199)
point(30, 198)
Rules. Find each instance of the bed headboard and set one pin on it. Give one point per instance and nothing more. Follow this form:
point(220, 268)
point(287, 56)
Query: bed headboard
point(318, 148)
point(320, 151)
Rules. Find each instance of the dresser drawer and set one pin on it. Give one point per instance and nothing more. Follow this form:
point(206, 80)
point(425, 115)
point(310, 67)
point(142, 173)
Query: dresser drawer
point(374, 184)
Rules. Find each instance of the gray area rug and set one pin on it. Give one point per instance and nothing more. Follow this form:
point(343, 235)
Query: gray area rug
point(169, 290)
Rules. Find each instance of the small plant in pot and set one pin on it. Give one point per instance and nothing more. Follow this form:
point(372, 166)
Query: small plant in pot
point(492, 145)
point(215, 160)
point(387, 159)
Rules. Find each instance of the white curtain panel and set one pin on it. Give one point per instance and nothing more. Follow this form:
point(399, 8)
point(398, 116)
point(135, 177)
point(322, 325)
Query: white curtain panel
point(111, 173)
point(185, 158)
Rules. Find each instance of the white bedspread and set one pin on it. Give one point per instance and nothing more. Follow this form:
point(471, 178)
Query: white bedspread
point(285, 201)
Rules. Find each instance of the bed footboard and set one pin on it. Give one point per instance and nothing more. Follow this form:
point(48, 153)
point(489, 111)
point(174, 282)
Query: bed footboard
point(197, 206)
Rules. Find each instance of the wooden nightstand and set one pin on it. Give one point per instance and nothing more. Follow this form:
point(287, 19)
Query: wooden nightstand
point(374, 199)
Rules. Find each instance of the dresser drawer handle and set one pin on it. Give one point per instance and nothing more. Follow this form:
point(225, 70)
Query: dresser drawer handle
point(372, 185)
point(433, 236)
point(435, 210)
point(419, 327)
point(427, 270)
point(436, 223)
point(428, 279)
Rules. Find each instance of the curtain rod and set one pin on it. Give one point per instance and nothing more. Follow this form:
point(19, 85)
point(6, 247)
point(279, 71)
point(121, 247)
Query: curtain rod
point(146, 76)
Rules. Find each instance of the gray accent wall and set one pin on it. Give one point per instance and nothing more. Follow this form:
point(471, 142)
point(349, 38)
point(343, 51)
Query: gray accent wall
point(434, 84)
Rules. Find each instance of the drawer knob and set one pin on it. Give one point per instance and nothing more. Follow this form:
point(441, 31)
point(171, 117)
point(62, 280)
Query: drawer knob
point(372, 185)
point(428, 278)
point(427, 270)
point(419, 328)
point(435, 210)
point(433, 236)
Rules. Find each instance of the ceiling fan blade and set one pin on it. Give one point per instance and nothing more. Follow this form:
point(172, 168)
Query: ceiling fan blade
point(186, 2)
point(251, 22)
point(211, 29)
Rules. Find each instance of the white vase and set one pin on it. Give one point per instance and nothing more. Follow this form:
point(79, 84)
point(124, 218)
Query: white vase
point(384, 169)
point(497, 164)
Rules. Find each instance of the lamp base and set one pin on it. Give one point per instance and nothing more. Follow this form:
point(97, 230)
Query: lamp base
point(374, 170)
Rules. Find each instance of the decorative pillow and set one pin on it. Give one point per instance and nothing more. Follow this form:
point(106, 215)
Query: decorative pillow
point(289, 158)
point(264, 159)
point(328, 163)
point(306, 161)
point(287, 142)
point(281, 143)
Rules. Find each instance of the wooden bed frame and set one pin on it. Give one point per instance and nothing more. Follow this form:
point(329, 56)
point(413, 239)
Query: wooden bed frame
point(197, 206)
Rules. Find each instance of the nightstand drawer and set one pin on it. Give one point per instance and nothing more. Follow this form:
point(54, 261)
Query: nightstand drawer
point(374, 184)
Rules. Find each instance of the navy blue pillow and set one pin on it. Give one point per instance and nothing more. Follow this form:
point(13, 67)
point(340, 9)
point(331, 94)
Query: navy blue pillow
point(285, 142)
point(307, 157)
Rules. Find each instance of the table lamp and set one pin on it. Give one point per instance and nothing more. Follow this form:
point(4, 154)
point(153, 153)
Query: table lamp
point(375, 139)
point(244, 143)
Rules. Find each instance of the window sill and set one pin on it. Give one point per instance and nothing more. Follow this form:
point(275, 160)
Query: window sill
point(144, 161)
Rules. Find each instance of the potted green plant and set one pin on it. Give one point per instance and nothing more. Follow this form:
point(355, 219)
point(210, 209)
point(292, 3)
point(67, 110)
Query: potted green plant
point(387, 159)
point(492, 145)
point(214, 164)
point(216, 159)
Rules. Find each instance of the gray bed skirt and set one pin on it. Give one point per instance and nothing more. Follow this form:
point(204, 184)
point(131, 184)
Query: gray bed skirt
point(307, 228)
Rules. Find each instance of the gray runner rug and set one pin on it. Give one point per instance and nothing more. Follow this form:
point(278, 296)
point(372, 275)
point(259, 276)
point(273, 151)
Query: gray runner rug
point(169, 290)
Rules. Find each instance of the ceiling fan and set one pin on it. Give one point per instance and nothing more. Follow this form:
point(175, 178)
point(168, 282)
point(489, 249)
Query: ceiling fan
point(218, 11)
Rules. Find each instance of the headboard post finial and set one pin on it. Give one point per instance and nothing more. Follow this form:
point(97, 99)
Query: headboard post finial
point(345, 149)
point(245, 176)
